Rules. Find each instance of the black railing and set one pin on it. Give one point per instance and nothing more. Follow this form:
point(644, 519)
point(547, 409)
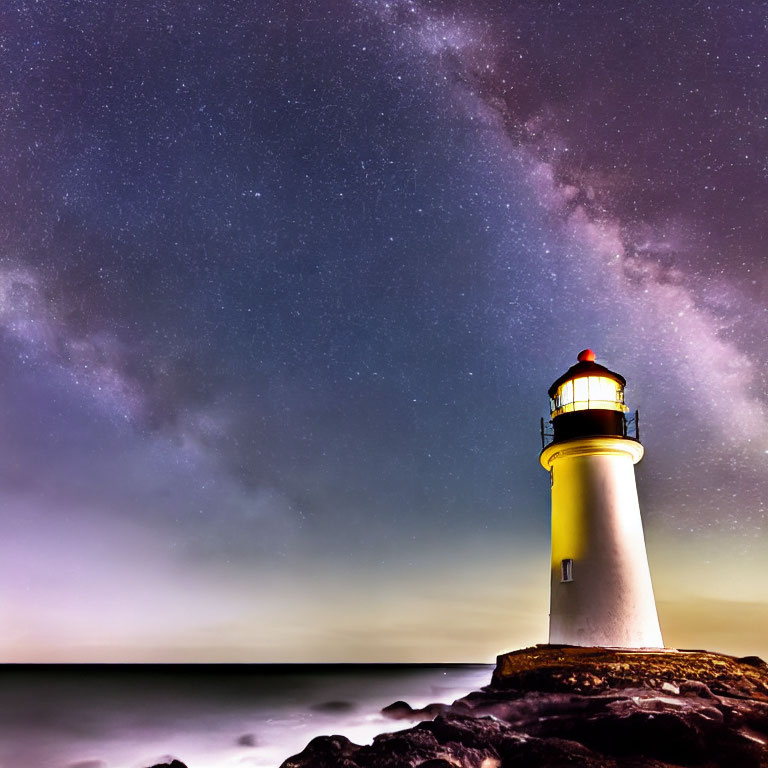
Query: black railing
point(547, 433)
point(630, 425)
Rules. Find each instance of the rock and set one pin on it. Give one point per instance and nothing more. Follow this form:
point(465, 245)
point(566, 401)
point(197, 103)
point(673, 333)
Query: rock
point(172, 764)
point(753, 661)
point(558, 706)
point(695, 688)
point(401, 710)
point(398, 710)
point(325, 752)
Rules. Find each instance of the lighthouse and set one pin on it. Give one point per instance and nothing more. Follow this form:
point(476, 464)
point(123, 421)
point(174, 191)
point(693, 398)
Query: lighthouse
point(601, 592)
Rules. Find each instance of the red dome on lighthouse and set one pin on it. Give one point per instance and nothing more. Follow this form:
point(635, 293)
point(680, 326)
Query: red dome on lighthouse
point(586, 356)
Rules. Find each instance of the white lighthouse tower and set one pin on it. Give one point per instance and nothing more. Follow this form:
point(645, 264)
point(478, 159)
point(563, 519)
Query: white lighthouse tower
point(601, 591)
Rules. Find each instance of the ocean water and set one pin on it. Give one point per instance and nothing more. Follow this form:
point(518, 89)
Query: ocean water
point(208, 716)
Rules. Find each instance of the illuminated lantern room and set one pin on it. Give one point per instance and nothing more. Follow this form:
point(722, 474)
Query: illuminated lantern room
point(588, 400)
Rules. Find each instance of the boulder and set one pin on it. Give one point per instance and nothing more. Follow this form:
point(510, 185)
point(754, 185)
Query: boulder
point(401, 710)
point(172, 764)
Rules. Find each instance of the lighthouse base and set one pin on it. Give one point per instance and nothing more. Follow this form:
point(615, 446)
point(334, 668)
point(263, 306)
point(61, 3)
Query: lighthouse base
point(564, 630)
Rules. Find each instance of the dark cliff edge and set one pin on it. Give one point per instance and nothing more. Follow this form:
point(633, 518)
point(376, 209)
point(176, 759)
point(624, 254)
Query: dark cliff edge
point(557, 706)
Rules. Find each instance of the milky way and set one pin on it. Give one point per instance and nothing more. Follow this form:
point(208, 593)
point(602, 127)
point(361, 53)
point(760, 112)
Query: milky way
point(283, 287)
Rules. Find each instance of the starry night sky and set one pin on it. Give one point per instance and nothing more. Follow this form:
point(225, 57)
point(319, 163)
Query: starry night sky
point(283, 286)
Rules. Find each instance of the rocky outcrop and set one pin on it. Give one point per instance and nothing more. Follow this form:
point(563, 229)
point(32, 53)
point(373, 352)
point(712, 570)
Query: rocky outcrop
point(553, 706)
point(592, 670)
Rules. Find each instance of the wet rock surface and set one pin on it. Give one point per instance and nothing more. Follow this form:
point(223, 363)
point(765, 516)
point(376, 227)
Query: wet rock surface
point(172, 764)
point(553, 706)
point(400, 710)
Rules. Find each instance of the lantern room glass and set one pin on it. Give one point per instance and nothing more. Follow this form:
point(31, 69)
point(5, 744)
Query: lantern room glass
point(585, 392)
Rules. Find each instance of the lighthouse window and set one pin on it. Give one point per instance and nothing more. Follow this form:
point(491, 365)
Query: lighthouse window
point(566, 569)
point(588, 392)
point(564, 397)
point(581, 393)
point(602, 388)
